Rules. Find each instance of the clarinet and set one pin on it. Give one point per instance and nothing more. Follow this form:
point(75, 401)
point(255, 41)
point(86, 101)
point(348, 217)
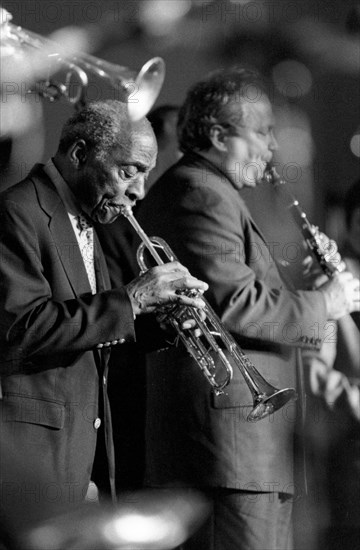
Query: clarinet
point(316, 241)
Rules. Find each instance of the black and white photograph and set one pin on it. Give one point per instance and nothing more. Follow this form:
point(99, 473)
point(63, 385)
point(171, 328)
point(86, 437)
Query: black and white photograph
point(179, 275)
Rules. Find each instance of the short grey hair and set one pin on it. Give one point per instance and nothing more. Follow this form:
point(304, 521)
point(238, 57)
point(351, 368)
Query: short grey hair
point(103, 125)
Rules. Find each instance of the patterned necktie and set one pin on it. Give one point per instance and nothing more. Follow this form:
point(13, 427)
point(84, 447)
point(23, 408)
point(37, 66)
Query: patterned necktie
point(83, 222)
point(87, 248)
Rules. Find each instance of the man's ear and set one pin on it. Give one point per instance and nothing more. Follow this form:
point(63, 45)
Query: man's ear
point(218, 138)
point(78, 153)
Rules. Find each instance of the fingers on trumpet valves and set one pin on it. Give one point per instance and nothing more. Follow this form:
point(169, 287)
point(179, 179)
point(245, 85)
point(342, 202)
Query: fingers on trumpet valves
point(188, 291)
point(183, 316)
point(190, 324)
point(187, 317)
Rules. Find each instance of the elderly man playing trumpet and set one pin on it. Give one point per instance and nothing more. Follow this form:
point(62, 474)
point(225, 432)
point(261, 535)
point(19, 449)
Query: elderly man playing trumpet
point(60, 318)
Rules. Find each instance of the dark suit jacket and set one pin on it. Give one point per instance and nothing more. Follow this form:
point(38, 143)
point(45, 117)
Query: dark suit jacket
point(128, 413)
point(50, 367)
point(194, 437)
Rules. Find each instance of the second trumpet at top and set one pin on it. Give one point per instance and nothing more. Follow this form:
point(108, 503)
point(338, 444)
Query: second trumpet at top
point(139, 89)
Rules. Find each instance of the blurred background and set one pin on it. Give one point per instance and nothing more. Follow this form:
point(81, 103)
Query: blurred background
point(309, 51)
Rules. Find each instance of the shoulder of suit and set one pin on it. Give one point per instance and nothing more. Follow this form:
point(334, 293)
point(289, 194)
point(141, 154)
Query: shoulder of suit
point(33, 191)
point(19, 193)
point(23, 188)
point(194, 171)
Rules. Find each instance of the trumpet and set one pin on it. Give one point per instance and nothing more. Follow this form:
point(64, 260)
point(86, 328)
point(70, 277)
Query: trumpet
point(139, 89)
point(213, 340)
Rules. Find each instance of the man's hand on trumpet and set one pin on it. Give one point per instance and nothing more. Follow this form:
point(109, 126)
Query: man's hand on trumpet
point(162, 286)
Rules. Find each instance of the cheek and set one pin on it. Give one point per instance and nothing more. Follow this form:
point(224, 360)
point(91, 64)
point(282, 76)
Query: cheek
point(94, 194)
point(256, 148)
point(86, 190)
point(102, 187)
point(238, 152)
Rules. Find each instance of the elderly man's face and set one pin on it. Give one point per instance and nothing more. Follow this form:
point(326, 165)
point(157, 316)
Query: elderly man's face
point(107, 184)
point(250, 147)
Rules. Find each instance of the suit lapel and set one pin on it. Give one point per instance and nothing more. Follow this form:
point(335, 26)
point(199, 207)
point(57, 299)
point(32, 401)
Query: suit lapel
point(69, 251)
point(63, 235)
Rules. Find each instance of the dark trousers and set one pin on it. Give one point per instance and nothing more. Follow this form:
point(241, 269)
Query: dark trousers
point(242, 520)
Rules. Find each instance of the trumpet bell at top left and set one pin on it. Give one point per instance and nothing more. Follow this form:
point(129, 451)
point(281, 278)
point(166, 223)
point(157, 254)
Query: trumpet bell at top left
point(27, 56)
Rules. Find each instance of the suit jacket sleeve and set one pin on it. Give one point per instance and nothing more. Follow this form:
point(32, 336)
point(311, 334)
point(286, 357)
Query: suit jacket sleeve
point(244, 282)
point(35, 323)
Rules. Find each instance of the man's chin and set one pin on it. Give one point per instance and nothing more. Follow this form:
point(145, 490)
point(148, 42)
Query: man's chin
point(108, 219)
point(252, 181)
point(106, 214)
point(105, 218)
point(254, 175)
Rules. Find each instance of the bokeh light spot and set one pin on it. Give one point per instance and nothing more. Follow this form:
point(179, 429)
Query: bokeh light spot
point(292, 79)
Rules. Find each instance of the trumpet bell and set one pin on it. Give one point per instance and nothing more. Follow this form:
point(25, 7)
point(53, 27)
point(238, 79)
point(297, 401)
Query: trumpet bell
point(46, 57)
point(267, 404)
point(138, 89)
point(212, 341)
point(148, 84)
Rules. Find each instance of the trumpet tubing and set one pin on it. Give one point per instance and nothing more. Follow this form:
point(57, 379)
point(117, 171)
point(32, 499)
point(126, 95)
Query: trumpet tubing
point(139, 89)
point(213, 340)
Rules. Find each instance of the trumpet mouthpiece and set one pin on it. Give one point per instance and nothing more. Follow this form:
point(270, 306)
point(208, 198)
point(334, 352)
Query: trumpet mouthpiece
point(125, 210)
